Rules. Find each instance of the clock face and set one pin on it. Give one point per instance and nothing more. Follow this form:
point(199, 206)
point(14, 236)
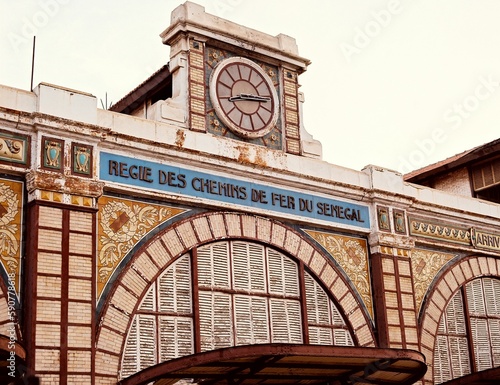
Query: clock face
point(244, 97)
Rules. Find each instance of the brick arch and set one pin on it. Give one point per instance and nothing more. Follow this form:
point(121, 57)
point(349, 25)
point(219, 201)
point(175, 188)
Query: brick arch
point(441, 292)
point(165, 247)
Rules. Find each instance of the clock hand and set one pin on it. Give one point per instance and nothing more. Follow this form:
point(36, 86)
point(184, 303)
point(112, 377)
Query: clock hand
point(250, 97)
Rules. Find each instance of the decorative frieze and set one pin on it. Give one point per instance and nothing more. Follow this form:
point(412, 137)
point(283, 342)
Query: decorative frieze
point(440, 231)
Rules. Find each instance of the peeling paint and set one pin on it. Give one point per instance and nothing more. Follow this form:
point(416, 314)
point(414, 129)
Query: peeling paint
point(180, 137)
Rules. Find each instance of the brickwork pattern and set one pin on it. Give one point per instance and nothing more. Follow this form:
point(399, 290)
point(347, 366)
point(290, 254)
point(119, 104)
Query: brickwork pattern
point(64, 301)
point(197, 85)
point(153, 257)
point(441, 293)
point(291, 111)
point(395, 300)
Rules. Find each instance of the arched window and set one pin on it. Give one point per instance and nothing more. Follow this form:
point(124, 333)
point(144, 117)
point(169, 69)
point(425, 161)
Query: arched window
point(230, 293)
point(468, 337)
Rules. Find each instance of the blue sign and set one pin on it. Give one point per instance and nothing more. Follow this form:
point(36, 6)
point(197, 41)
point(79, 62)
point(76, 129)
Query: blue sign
point(188, 182)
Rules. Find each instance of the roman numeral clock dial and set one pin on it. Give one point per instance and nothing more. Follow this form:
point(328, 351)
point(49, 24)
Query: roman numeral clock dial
point(244, 97)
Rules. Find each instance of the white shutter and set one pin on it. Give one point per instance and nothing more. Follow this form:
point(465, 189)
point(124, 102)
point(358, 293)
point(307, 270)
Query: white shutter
point(459, 353)
point(257, 268)
point(248, 266)
point(455, 319)
point(241, 275)
point(251, 320)
point(480, 338)
point(337, 317)
point(320, 336)
point(283, 274)
point(216, 330)
point(475, 300)
point(494, 325)
point(342, 337)
point(176, 337)
point(318, 312)
point(492, 296)
point(442, 323)
point(174, 287)
point(149, 301)
point(442, 367)
point(286, 323)
point(213, 265)
point(130, 363)
point(146, 330)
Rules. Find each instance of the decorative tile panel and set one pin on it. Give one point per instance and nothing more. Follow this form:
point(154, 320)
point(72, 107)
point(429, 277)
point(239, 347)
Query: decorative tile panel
point(399, 221)
point(384, 223)
point(122, 224)
point(425, 265)
point(11, 201)
point(52, 154)
point(81, 159)
point(352, 255)
point(14, 148)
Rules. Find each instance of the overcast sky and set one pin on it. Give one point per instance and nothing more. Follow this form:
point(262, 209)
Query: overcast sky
point(395, 83)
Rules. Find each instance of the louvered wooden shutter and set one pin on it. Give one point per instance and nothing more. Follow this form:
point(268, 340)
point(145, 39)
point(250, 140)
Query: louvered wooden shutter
point(251, 319)
point(176, 337)
point(174, 296)
point(283, 274)
point(480, 336)
point(454, 315)
point(130, 363)
point(286, 325)
point(174, 288)
point(494, 325)
point(475, 299)
point(213, 265)
point(248, 267)
point(479, 326)
point(451, 352)
point(492, 296)
point(216, 329)
point(442, 365)
point(149, 301)
point(486, 174)
point(322, 311)
point(318, 313)
point(146, 330)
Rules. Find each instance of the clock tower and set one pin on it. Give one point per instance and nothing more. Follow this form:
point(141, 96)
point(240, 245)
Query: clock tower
point(236, 82)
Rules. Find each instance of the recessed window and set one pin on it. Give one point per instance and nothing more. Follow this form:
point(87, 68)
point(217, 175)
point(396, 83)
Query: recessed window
point(468, 338)
point(486, 180)
point(242, 293)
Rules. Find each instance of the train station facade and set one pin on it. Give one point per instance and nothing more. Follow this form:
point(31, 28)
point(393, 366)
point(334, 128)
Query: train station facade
point(193, 233)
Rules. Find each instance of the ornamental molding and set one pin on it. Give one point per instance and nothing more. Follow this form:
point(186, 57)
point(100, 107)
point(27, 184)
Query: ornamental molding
point(440, 231)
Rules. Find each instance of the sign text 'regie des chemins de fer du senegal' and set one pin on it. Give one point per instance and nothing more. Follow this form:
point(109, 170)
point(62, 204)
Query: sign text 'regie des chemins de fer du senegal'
point(187, 182)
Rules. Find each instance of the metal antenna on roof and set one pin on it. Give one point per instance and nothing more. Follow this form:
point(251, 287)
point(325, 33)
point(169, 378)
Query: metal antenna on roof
point(33, 63)
point(105, 105)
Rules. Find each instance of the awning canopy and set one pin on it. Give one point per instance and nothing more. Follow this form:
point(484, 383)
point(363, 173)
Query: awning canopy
point(285, 364)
